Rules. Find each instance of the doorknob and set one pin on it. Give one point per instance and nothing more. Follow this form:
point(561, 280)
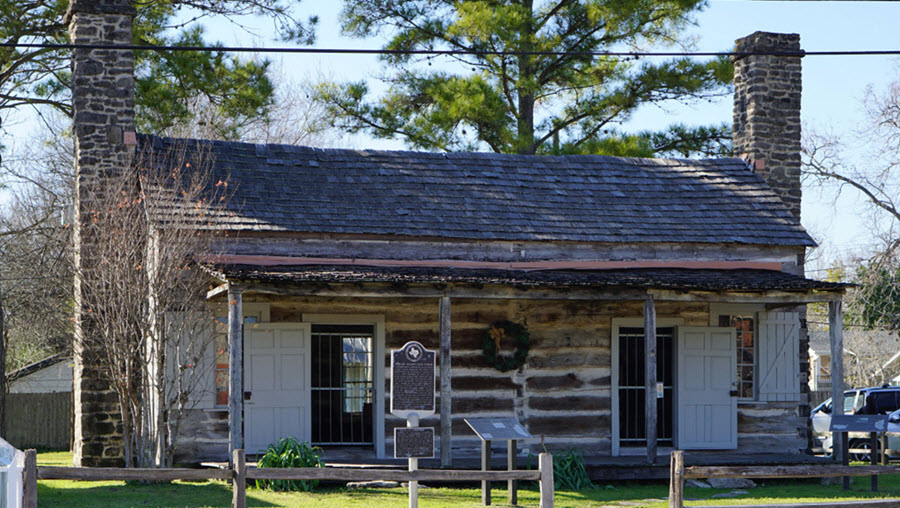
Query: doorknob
point(247, 395)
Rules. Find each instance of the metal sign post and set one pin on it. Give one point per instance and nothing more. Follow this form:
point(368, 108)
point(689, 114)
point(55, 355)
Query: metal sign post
point(412, 397)
point(412, 421)
point(501, 429)
point(873, 424)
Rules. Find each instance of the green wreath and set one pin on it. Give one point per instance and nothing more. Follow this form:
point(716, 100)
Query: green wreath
point(492, 343)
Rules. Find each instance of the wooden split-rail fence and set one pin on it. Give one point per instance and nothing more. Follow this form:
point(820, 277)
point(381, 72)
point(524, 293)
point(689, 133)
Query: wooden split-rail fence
point(240, 473)
point(678, 473)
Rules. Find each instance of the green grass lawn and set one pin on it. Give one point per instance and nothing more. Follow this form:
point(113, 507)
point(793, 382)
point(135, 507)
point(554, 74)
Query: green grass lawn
point(72, 494)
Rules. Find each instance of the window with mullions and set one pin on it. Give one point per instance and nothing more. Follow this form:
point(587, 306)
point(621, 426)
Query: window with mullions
point(746, 351)
point(343, 384)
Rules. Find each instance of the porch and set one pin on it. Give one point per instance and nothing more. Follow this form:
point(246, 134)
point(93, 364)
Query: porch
point(602, 340)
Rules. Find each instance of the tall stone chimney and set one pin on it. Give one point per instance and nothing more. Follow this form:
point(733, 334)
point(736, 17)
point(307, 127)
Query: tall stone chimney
point(767, 111)
point(103, 105)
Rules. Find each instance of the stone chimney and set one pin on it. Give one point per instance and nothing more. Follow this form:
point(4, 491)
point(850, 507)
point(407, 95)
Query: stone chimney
point(767, 111)
point(103, 106)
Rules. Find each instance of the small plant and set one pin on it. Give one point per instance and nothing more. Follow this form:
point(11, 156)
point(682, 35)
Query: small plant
point(289, 452)
point(569, 471)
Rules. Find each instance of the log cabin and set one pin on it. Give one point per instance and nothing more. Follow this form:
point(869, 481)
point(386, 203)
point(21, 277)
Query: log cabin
point(663, 298)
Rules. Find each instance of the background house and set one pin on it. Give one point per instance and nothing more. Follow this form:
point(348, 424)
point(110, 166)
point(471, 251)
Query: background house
point(819, 366)
point(871, 357)
point(664, 298)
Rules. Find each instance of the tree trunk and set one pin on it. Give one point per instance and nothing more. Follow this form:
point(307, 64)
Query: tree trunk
point(525, 86)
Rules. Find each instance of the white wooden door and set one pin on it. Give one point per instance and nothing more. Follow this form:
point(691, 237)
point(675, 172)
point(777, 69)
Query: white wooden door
point(276, 384)
point(707, 376)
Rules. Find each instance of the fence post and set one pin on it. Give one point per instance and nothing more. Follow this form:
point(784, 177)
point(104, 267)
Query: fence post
point(873, 459)
point(29, 490)
point(545, 465)
point(239, 484)
point(676, 479)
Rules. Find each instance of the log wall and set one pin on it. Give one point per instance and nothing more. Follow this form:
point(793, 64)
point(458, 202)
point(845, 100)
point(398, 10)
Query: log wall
point(405, 248)
point(562, 394)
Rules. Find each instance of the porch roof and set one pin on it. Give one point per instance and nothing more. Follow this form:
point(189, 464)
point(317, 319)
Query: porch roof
point(677, 279)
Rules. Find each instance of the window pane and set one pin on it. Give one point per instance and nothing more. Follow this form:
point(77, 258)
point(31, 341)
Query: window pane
point(746, 359)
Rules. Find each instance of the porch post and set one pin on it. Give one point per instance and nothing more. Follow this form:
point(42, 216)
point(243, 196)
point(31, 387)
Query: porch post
point(836, 334)
point(650, 376)
point(446, 421)
point(235, 370)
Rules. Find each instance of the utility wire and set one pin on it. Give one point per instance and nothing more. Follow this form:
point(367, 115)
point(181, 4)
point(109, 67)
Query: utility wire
point(436, 52)
point(852, 325)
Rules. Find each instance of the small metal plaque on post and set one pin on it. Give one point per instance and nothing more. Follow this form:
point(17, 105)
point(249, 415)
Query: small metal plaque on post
point(414, 442)
point(498, 429)
point(412, 380)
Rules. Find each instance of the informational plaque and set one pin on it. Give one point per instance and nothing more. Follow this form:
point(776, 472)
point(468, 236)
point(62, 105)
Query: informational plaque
point(498, 429)
point(412, 380)
point(414, 442)
point(859, 423)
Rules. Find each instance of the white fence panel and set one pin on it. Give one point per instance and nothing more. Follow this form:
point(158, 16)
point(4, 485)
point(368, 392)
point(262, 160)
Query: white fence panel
point(12, 464)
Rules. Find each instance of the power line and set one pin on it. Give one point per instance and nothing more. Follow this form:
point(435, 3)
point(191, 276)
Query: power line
point(439, 52)
point(852, 325)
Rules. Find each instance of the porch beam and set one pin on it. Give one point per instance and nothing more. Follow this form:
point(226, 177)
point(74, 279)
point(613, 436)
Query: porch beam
point(506, 292)
point(768, 297)
point(235, 370)
point(218, 290)
point(650, 376)
point(446, 396)
point(836, 336)
point(402, 290)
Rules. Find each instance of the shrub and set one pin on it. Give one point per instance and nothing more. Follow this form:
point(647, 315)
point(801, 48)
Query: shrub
point(289, 452)
point(569, 471)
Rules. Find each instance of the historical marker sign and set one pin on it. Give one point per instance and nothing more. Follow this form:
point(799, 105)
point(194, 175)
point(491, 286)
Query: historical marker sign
point(412, 380)
point(414, 442)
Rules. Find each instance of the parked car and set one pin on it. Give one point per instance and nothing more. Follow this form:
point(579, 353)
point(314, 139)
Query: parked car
point(872, 400)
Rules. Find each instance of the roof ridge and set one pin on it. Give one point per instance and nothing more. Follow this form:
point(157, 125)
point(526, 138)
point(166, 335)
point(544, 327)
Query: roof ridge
point(511, 157)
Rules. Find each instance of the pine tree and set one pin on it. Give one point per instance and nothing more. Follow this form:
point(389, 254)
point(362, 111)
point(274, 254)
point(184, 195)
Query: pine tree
point(504, 92)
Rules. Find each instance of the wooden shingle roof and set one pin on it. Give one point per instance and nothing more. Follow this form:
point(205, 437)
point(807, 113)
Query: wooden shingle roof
point(487, 196)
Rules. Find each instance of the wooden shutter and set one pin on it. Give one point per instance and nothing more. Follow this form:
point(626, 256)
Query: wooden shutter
point(779, 356)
